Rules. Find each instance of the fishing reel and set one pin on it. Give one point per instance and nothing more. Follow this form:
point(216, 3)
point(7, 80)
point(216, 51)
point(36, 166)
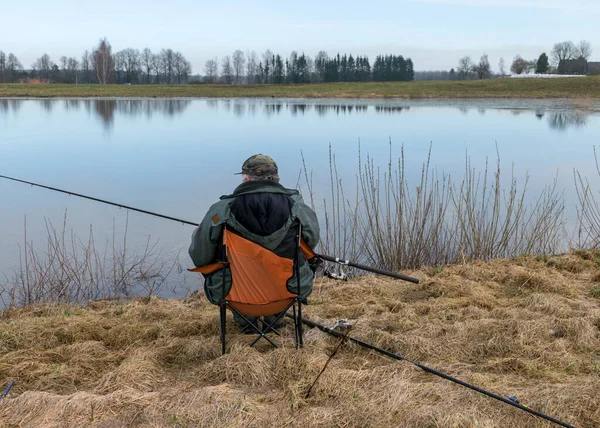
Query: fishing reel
point(342, 276)
point(342, 326)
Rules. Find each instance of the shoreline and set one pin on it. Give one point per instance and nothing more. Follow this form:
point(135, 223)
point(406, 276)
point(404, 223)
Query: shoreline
point(587, 88)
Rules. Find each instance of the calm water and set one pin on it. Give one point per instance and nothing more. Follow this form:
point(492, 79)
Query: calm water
point(178, 156)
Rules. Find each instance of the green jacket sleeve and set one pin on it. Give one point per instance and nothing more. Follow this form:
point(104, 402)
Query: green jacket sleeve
point(308, 219)
point(203, 249)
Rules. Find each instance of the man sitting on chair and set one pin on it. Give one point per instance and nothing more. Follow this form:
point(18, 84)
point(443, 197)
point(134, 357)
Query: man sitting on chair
point(264, 212)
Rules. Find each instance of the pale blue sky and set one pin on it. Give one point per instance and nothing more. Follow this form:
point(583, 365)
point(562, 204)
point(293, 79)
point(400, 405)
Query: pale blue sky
point(434, 33)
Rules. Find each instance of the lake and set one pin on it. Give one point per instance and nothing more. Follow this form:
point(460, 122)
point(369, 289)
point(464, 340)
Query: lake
point(177, 156)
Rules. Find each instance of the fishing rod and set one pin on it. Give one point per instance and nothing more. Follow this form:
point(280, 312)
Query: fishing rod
point(508, 400)
point(100, 200)
point(305, 248)
point(7, 390)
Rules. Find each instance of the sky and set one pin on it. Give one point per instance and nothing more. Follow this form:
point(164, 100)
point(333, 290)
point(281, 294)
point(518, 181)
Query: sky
point(434, 33)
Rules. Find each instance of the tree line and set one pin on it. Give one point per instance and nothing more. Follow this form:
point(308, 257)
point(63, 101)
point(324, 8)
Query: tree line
point(563, 51)
point(101, 66)
point(467, 69)
point(273, 68)
point(131, 66)
point(10, 67)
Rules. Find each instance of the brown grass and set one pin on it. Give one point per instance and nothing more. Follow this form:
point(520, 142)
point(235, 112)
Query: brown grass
point(586, 88)
point(528, 328)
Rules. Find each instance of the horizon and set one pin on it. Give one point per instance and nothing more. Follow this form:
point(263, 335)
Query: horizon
point(433, 33)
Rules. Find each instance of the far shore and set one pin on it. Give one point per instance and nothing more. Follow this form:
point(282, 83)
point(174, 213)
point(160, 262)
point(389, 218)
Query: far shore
point(588, 87)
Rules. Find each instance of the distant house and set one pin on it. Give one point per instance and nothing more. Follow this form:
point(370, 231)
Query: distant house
point(573, 66)
point(593, 68)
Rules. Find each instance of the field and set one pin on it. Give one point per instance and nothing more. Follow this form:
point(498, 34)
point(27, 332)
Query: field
point(527, 328)
point(588, 87)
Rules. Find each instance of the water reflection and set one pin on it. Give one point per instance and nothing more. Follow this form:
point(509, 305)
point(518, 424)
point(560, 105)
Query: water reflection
point(563, 120)
point(390, 109)
point(9, 105)
point(48, 105)
point(106, 109)
point(559, 118)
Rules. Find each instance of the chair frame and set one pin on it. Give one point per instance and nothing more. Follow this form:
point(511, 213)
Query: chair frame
point(295, 304)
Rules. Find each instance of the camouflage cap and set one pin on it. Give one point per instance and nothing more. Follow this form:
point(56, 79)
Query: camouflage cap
point(260, 166)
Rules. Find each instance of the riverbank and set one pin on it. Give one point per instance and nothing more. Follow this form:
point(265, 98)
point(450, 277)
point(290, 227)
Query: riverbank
point(588, 87)
point(528, 328)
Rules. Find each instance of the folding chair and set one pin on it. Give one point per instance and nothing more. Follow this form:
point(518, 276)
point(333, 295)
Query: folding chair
point(258, 285)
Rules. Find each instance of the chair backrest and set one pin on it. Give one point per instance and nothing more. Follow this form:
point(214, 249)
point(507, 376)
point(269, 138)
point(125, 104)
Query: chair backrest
point(258, 277)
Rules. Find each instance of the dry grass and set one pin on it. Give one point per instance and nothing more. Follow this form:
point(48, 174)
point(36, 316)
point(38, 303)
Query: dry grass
point(528, 328)
point(587, 88)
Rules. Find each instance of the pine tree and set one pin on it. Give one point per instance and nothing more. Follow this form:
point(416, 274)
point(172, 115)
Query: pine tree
point(351, 69)
point(541, 66)
point(410, 70)
point(278, 72)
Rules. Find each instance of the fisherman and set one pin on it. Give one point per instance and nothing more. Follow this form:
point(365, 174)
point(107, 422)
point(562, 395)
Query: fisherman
point(262, 211)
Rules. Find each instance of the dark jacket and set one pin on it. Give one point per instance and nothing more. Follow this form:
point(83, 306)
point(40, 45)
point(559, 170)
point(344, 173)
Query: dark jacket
point(265, 213)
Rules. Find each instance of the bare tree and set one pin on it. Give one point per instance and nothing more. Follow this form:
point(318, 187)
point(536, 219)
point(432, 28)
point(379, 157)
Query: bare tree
point(483, 69)
point(13, 66)
point(73, 67)
point(238, 65)
point(501, 67)
point(211, 71)
point(563, 51)
point(85, 66)
point(584, 50)
point(131, 58)
point(320, 62)
point(42, 67)
point(181, 66)
point(64, 62)
point(103, 62)
point(520, 65)
point(147, 59)
point(3, 71)
point(227, 74)
point(251, 67)
point(166, 59)
point(133, 63)
point(157, 66)
point(465, 66)
point(120, 66)
point(267, 63)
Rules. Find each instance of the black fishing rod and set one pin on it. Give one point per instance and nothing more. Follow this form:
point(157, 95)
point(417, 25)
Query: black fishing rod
point(368, 268)
point(512, 402)
point(323, 257)
point(100, 200)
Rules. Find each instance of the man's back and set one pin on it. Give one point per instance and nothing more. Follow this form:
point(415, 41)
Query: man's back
point(263, 211)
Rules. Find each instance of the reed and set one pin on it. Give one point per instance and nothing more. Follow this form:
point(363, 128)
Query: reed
point(393, 223)
point(588, 232)
point(74, 270)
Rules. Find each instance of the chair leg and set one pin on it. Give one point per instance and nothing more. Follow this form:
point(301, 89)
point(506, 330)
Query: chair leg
point(299, 322)
point(223, 317)
point(296, 326)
